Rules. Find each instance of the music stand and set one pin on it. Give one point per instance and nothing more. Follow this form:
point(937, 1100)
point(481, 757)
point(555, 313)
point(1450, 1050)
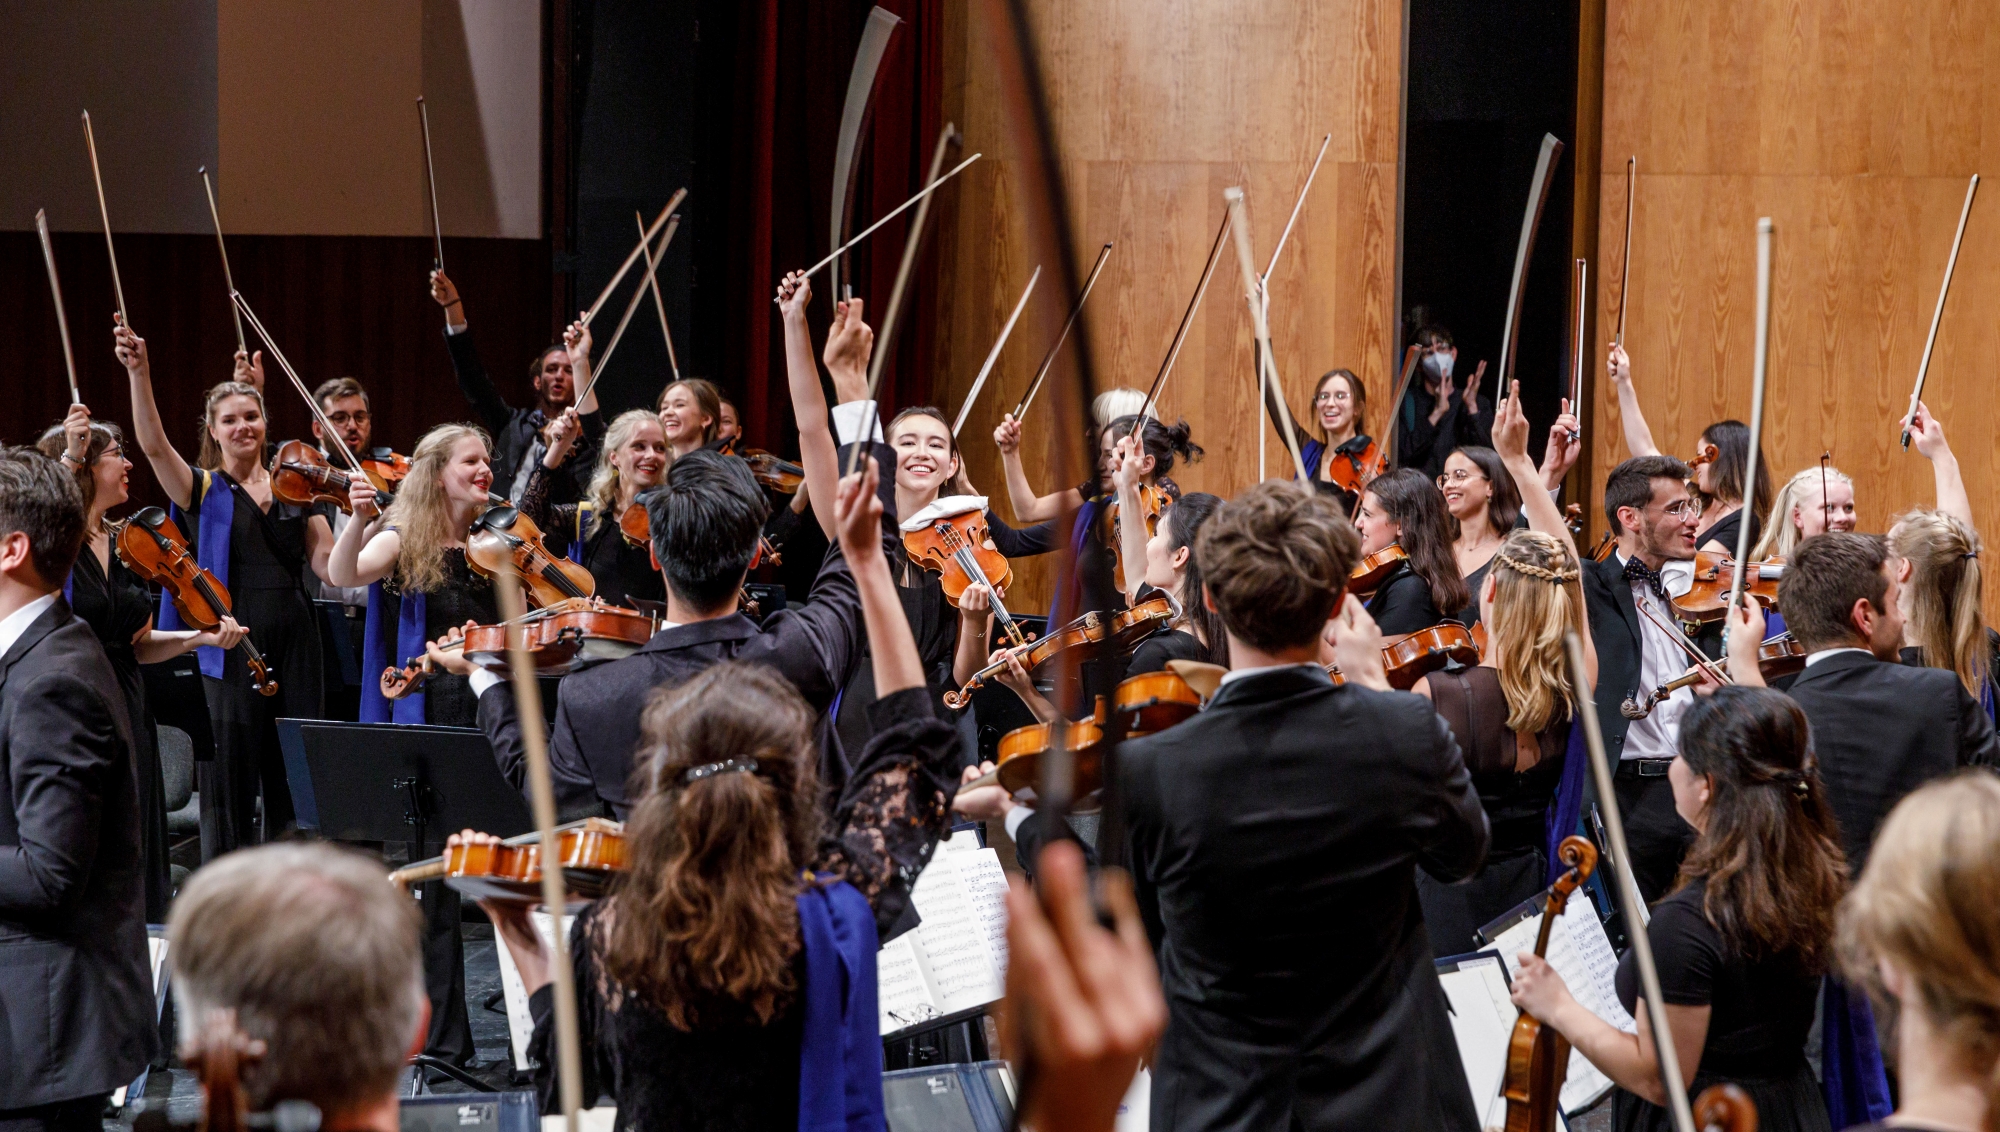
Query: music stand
point(396, 782)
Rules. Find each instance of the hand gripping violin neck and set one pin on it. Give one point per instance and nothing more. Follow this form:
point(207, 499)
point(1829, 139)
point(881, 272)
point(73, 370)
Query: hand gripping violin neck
point(1538, 1056)
point(302, 476)
point(502, 535)
point(151, 546)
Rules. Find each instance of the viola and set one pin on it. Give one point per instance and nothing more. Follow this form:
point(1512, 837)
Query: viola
point(1538, 1056)
point(1372, 571)
point(1018, 764)
point(590, 853)
point(503, 535)
point(302, 476)
point(959, 551)
point(1088, 629)
point(1725, 1108)
point(386, 468)
point(1353, 472)
point(151, 546)
point(1152, 503)
point(559, 639)
point(1409, 657)
point(1707, 598)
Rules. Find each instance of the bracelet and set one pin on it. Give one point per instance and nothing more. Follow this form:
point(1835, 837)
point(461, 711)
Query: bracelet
point(453, 303)
point(69, 459)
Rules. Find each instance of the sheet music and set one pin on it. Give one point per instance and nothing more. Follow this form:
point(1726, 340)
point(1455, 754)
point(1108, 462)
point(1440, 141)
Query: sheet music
point(1581, 953)
point(961, 968)
point(986, 888)
point(1482, 1021)
point(902, 994)
point(521, 1022)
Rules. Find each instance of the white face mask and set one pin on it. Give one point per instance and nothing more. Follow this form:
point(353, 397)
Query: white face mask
point(1438, 365)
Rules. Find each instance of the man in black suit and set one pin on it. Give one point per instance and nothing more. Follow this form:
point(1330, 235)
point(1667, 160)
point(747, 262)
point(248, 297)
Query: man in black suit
point(1880, 728)
point(1274, 841)
point(76, 993)
point(1635, 629)
point(706, 521)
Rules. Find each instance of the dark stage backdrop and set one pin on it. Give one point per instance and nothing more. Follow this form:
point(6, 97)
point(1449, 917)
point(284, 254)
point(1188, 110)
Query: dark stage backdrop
point(338, 306)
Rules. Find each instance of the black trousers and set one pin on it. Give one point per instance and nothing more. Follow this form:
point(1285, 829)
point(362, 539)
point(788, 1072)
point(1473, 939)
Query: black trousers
point(1656, 835)
point(84, 1114)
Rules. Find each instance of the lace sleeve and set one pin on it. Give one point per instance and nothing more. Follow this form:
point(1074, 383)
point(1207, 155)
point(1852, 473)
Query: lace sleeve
point(557, 520)
point(897, 803)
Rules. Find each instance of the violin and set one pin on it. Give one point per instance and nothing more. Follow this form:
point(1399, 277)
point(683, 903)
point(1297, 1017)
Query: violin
point(1130, 626)
point(1714, 573)
point(774, 472)
point(1154, 701)
point(1152, 502)
point(1372, 571)
point(1356, 471)
point(151, 546)
point(1777, 656)
point(1088, 629)
point(637, 530)
point(1538, 1056)
point(590, 852)
point(1408, 657)
point(959, 551)
point(1018, 764)
point(559, 639)
point(386, 468)
point(302, 476)
point(504, 535)
point(1725, 1108)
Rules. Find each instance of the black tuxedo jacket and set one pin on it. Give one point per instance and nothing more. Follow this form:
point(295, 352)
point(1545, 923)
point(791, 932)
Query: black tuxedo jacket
point(1883, 729)
point(815, 646)
point(1614, 628)
point(76, 989)
point(1274, 841)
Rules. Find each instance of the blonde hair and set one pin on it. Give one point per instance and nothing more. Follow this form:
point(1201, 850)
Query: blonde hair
point(1536, 601)
point(421, 514)
point(1925, 903)
point(603, 489)
point(1781, 536)
point(209, 456)
point(1123, 401)
point(1945, 590)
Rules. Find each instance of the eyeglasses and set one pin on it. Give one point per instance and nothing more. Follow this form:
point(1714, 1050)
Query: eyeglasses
point(1684, 509)
point(1458, 476)
point(1328, 395)
point(342, 420)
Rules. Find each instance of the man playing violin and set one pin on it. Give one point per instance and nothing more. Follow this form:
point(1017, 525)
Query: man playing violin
point(345, 403)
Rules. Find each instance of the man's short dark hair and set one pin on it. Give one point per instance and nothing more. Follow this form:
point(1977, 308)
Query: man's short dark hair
point(706, 521)
point(39, 498)
point(1434, 334)
point(1275, 561)
point(1827, 574)
point(334, 388)
point(1631, 483)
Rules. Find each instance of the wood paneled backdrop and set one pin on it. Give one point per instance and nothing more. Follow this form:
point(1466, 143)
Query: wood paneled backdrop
point(1855, 127)
point(1159, 107)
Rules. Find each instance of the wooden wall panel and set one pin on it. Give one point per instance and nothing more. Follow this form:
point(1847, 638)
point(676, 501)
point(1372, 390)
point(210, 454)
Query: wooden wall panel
point(1855, 127)
point(1159, 107)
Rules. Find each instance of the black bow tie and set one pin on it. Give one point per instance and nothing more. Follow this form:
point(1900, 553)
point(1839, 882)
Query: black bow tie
point(1637, 571)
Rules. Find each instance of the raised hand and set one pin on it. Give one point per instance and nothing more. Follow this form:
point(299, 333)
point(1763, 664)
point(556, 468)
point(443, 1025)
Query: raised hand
point(130, 348)
point(1128, 462)
point(445, 294)
point(1564, 448)
point(249, 369)
point(849, 342)
point(1926, 433)
point(1620, 364)
point(76, 434)
point(1510, 426)
point(1007, 436)
point(561, 433)
point(857, 515)
point(576, 339)
point(1472, 386)
point(794, 292)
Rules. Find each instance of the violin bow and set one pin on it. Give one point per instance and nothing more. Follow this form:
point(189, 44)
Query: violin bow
point(632, 257)
point(888, 216)
point(1629, 900)
point(653, 261)
point(117, 288)
point(542, 800)
point(431, 179)
point(1937, 315)
point(946, 139)
point(228, 281)
point(1531, 221)
point(1075, 312)
point(854, 112)
point(1187, 319)
point(653, 284)
point(1260, 317)
point(1625, 263)
point(1297, 205)
point(1759, 361)
point(1581, 280)
point(332, 435)
point(993, 355)
point(1393, 426)
point(55, 292)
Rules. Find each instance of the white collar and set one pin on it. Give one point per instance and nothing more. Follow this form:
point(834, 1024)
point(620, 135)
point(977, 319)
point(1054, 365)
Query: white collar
point(1677, 574)
point(944, 507)
point(17, 622)
point(1241, 673)
point(1811, 658)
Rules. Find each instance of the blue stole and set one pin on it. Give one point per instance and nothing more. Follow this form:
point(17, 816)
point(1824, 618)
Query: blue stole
point(411, 637)
point(211, 553)
point(583, 513)
point(1069, 591)
point(1309, 455)
point(1856, 1087)
point(1565, 813)
point(840, 1044)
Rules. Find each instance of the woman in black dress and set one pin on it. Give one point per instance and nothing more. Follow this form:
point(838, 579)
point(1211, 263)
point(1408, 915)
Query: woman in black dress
point(1485, 506)
point(114, 602)
point(1742, 943)
point(632, 458)
point(1161, 564)
point(1404, 508)
point(262, 551)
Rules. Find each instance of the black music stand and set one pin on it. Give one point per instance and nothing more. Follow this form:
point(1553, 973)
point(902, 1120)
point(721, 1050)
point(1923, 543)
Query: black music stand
point(395, 782)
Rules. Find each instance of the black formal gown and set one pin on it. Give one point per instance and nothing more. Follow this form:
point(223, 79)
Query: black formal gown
point(1403, 603)
point(116, 606)
point(267, 567)
point(1516, 803)
point(622, 571)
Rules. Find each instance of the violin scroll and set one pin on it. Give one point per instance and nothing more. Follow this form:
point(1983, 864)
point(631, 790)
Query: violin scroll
point(1725, 1108)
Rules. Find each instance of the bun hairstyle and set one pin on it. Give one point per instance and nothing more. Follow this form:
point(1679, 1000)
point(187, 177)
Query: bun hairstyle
point(1945, 591)
point(1164, 443)
point(703, 923)
point(209, 456)
point(1535, 603)
point(1771, 851)
point(1925, 905)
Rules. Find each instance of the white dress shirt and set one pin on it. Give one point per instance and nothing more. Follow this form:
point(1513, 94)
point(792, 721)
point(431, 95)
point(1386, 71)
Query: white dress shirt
point(1815, 658)
point(1660, 659)
point(18, 621)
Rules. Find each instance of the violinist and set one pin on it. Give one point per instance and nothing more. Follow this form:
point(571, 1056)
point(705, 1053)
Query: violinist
point(1435, 416)
point(1512, 713)
point(345, 403)
point(518, 441)
point(1340, 456)
point(1485, 507)
point(1814, 501)
point(113, 601)
point(728, 426)
point(632, 458)
point(690, 411)
point(1743, 940)
point(714, 982)
point(1403, 508)
point(266, 552)
point(1169, 568)
point(1943, 626)
point(1718, 481)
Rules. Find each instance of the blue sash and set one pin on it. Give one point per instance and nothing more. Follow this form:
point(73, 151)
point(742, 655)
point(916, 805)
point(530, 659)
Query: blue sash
point(1069, 585)
point(1856, 1086)
point(375, 656)
point(840, 1044)
point(1309, 455)
point(211, 553)
point(1565, 813)
point(583, 513)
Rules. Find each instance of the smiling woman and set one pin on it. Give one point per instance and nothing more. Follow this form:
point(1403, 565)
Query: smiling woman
point(632, 459)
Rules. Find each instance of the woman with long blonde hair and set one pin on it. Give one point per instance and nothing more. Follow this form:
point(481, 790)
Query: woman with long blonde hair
point(1942, 623)
point(1512, 713)
point(632, 458)
point(1816, 500)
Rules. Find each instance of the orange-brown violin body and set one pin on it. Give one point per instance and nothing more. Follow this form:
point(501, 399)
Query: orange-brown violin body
point(559, 639)
point(1152, 502)
point(1538, 1056)
point(776, 473)
point(1409, 657)
point(942, 547)
point(1089, 629)
point(151, 546)
point(503, 535)
point(1354, 473)
point(1707, 598)
point(1018, 763)
point(1369, 574)
point(1725, 1108)
point(1153, 701)
point(302, 476)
